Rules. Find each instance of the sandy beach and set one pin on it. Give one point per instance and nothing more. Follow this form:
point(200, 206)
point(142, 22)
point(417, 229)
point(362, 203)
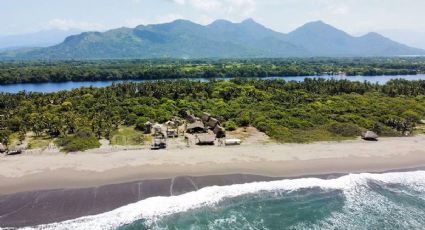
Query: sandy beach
point(35, 187)
point(37, 171)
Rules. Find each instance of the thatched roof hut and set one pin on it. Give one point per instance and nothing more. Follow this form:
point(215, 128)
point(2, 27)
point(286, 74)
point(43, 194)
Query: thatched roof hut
point(190, 117)
point(370, 136)
point(219, 131)
point(148, 127)
point(157, 128)
point(205, 139)
point(205, 117)
point(196, 127)
point(212, 122)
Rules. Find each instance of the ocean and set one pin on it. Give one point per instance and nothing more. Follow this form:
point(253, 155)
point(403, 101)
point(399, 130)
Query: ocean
point(393, 200)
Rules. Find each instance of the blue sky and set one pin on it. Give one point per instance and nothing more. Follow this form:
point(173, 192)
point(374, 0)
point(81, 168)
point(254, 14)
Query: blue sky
point(354, 16)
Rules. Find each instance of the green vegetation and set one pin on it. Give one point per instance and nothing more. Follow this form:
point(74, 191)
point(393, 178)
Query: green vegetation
point(127, 136)
point(38, 142)
point(313, 110)
point(82, 140)
point(36, 72)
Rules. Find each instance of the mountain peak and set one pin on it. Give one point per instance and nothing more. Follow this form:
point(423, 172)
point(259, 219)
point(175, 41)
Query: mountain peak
point(249, 21)
point(319, 28)
point(220, 22)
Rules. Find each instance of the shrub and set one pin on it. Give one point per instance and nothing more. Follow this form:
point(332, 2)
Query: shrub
point(140, 123)
point(81, 141)
point(345, 130)
point(230, 126)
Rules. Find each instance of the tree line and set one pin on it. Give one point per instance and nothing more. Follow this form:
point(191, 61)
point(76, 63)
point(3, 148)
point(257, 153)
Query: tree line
point(62, 71)
point(288, 111)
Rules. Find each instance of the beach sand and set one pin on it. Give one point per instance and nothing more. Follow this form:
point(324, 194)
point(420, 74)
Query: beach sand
point(59, 170)
point(114, 178)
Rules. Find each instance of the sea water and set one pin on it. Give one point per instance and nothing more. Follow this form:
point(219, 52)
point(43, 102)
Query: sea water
point(357, 201)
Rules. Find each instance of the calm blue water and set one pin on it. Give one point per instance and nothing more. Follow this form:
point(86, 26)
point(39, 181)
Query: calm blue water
point(54, 87)
point(357, 201)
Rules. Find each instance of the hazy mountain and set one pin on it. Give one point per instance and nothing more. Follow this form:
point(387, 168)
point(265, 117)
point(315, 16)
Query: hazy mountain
point(39, 39)
point(220, 39)
point(322, 39)
point(408, 37)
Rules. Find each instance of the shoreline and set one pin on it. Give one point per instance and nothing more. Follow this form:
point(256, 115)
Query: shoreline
point(35, 208)
point(35, 188)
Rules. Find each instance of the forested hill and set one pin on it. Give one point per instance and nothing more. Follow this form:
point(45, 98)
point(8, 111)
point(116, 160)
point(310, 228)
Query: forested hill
point(220, 39)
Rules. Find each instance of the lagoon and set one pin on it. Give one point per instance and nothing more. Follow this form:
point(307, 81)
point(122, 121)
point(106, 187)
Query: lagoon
point(60, 86)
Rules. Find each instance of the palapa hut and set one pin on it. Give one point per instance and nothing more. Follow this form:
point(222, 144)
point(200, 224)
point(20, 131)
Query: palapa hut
point(148, 127)
point(157, 128)
point(196, 127)
point(159, 142)
point(370, 136)
point(205, 117)
point(212, 122)
point(205, 139)
point(219, 131)
point(190, 117)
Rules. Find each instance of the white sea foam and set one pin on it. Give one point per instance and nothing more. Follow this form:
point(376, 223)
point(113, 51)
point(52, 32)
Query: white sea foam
point(156, 207)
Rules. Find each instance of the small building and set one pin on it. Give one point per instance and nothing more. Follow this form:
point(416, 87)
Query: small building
point(219, 131)
point(205, 139)
point(148, 128)
point(172, 133)
point(190, 117)
point(370, 136)
point(157, 128)
point(205, 117)
point(196, 127)
point(159, 142)
point(212, 122)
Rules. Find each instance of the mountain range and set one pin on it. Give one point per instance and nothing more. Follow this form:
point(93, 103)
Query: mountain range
point(220, 39)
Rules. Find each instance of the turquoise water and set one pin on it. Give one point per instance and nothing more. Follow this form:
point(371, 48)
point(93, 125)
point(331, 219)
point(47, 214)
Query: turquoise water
point(357, 201)
point(54, 87)
point(384, 206)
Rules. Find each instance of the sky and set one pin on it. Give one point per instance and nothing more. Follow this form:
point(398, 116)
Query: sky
point(354, 16)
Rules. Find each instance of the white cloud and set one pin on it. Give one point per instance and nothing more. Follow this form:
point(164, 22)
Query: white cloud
point(235, 7)
point(68, 24)
point(133, 22)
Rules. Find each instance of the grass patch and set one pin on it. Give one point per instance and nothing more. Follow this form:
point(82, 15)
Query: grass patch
point(38, 142)
point(129, 136)
point(307, 136)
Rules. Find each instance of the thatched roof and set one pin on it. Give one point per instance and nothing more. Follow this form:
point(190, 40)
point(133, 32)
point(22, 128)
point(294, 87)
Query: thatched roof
point(197, 126)
point(190, 117)
point(370, 135)
point(212, 122)
point(205, 139)
point(219, 131)
point(205, 117)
